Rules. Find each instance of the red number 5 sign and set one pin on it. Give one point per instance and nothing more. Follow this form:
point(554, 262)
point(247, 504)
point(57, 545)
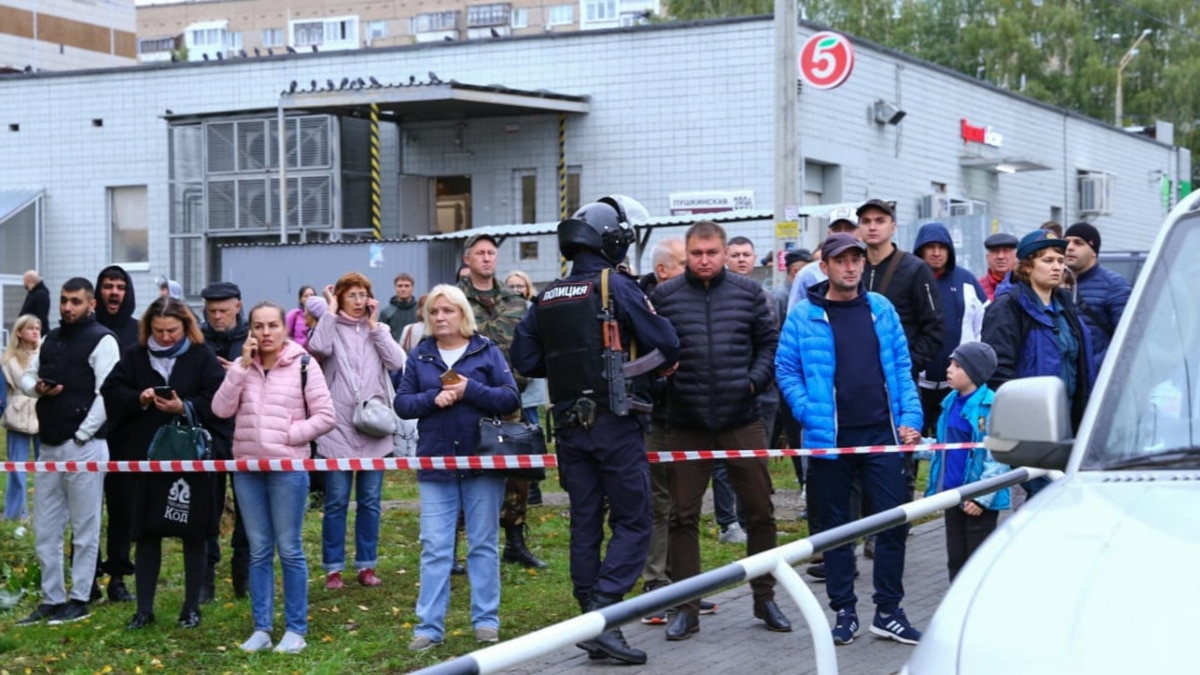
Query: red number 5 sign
point(826, 60)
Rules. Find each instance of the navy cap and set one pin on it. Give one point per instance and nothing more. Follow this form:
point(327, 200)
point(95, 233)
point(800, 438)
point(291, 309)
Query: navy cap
point(797, 255)
point(1038, 240)
point(221, 290)
point(838, 244)
point(1000, 240)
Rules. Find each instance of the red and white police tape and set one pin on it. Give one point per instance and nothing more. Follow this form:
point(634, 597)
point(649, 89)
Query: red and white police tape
point(411, 463)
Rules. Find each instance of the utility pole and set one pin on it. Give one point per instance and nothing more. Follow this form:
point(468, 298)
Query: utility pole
point(1119, 103)
point(787, 141)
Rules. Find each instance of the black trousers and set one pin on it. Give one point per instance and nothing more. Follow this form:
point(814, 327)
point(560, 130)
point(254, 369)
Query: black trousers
point(964, 534)
point(149, 562)
point(118, 491)
point(239, 542)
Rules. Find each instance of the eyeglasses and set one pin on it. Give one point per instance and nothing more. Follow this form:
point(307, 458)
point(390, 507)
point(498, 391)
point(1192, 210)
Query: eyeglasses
point(357, 296)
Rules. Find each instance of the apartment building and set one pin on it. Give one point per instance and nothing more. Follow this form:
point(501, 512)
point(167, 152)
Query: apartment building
point(41, 35)
point(219, 29)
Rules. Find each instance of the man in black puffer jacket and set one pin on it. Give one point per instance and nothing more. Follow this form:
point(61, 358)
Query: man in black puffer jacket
point(905, 280)
point(727, 340)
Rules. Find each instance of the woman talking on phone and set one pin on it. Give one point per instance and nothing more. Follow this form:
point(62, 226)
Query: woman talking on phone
point(356, 352)
point(152, 385)
point(454, 378)
point(281, 402)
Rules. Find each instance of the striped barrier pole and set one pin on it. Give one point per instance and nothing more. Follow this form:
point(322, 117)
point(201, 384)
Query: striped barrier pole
point(562, 182)
point(473, 463)
point(777, 562)
point(376, 209)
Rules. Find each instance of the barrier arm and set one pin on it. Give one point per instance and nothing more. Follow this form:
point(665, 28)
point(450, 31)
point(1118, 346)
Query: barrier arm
point(778, 562)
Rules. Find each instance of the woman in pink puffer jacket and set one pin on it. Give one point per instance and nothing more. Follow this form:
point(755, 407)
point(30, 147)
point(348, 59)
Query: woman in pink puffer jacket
point(263, 389)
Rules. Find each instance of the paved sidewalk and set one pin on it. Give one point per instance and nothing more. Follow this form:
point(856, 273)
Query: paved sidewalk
point(733, 641)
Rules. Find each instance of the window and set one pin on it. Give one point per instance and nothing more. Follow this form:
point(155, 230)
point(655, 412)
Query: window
point(529, 250)
point(235, 40)
point(520, 18)
point(488, 15)
point(434, 21)
point(525, 188)
point(129, 223)
point(562, 14)
point(272, 37)
point(573, 177)
point(155, 46)
point(601, 10)
point(341, 31)
point(376, 30)
point(308, 33)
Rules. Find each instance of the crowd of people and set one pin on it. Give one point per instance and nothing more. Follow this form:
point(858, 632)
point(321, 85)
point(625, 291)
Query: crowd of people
point(865, 344)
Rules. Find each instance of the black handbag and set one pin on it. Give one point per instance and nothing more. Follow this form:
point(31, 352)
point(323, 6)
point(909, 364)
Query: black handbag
point(500, 438)
point(182, 439)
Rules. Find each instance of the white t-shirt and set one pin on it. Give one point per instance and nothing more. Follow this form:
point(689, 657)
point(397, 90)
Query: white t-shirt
point(451, 356)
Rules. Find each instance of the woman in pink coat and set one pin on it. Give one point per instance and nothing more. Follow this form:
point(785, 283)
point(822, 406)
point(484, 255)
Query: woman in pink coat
point(282, 404)
point(357, 352)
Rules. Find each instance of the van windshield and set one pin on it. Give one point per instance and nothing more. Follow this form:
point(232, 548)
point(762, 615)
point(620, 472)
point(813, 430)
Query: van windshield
point(1152, 405)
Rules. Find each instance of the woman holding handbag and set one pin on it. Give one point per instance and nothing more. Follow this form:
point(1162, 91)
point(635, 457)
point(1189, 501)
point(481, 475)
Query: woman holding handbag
point(168, 377)
point(455, 378)
point(356, 352)
point(20, 415)
point(279, 396)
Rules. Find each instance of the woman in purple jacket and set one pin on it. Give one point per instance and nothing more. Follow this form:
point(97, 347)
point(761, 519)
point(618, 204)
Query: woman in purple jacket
point(356, 353)
point(455, 377)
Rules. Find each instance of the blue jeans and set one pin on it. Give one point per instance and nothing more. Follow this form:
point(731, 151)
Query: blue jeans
point(273, 505)
point(366, 519)
point(16, 503)
point(478, 497)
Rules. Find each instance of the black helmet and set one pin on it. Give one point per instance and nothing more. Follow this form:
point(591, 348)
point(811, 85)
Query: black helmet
point(604, 226)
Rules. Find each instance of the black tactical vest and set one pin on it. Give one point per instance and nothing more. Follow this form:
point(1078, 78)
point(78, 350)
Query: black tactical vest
point(64, 359)
point(568, 313)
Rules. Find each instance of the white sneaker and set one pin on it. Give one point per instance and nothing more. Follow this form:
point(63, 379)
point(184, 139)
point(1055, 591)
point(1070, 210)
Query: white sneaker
point(734, 534)
point(292, 643)
point(260, 641)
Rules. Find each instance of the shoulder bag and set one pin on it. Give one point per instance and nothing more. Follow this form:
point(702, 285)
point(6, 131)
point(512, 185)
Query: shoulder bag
point(182, 439)
point(373, 416)
point(500, 438)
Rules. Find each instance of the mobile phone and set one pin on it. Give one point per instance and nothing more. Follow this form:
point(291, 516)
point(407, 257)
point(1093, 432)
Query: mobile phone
point(50, 384)
point(164, 391)
point(450, 377)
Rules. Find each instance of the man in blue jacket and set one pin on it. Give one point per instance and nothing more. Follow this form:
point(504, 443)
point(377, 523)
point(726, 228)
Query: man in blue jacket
point(844, 368)
point(1100, 294)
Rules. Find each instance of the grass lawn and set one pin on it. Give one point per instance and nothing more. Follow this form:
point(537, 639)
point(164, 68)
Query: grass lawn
point(354, 630)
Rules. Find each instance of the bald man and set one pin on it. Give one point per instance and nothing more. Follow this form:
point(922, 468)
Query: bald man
point(37, 299)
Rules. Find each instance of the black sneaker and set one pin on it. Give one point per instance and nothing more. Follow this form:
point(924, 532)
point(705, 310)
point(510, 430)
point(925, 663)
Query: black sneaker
point(707, 607)
point(118, 591)
point(74, 610)
point(40, 614)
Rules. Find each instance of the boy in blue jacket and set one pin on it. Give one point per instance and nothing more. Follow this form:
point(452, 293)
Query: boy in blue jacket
point(965, 412)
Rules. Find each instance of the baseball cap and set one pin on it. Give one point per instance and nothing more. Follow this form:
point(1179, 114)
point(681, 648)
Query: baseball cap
point(476, 238)
point(221, 290)
point(1000, 240)
point(877, 204)
point(837, 244)
point(845, 213)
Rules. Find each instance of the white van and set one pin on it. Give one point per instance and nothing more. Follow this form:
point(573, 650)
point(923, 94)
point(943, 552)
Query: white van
point(1100, 573)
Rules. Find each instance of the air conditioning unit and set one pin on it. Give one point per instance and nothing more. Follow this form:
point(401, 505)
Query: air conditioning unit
point(1095, 194)
point(934, 206)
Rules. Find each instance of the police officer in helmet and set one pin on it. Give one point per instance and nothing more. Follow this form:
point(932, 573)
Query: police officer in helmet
point(585, 335)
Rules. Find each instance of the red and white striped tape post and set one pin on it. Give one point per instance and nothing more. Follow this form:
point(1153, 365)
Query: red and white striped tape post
point(461, 463)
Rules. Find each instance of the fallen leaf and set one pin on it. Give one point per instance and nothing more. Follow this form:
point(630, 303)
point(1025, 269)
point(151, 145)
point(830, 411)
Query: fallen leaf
point(364, 608)
point(106, 669)
point(326, 639)
point(221, 648)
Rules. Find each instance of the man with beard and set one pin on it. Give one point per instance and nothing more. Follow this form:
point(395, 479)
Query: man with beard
point(114, 311)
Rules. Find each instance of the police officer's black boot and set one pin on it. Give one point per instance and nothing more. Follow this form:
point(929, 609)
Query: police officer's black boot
point(515, 549)
point(208, 587)
point(241, 574)
point(612, 642)
point(593, 654)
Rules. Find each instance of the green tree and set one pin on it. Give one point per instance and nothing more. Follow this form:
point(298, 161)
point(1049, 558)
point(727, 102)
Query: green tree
point(1063, 52)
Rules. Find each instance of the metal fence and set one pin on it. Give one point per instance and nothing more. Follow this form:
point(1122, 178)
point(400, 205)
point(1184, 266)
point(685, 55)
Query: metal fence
point(777, 562)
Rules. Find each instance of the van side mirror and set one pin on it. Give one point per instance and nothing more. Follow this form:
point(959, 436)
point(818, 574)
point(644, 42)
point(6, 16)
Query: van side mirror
point(1031, 424)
